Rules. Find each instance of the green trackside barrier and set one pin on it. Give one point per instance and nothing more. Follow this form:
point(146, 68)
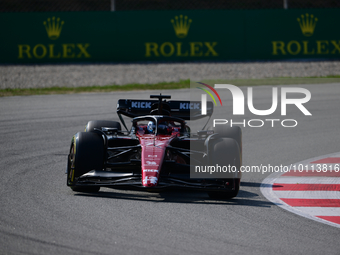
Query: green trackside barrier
point(132, 36)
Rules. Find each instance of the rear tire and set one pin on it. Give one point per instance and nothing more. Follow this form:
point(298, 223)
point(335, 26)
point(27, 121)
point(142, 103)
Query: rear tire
point(86, 154)
point(225, 152)
point(98, 124)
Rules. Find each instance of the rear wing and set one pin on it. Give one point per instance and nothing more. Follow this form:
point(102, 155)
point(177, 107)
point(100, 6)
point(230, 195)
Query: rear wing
point(187, 110)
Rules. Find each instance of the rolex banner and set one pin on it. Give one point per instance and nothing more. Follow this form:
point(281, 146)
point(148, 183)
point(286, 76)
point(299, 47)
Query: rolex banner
point(169, 36)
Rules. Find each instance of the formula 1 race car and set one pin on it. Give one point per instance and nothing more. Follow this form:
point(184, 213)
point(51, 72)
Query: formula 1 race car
point(158, 152)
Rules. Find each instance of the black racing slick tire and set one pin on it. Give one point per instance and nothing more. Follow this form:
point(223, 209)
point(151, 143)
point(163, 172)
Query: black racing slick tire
point(98, 124)
point(225, 152)
point(86, 154)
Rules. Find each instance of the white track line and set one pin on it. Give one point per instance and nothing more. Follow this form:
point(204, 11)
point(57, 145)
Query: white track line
point(307, 195)
point(307, 212)
point(320, 211)
point(308, 180)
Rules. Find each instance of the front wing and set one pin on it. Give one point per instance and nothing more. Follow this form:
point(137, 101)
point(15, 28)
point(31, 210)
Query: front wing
point(133, 181)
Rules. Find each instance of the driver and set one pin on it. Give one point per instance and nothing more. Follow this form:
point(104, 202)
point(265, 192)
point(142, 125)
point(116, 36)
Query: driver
point(151, 127)
point(163, 128)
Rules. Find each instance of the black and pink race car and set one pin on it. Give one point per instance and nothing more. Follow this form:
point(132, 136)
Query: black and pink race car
point(158, 152)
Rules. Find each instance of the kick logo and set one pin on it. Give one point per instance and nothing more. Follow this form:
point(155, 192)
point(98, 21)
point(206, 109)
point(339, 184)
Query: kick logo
point(140, 104)
point(189, 106)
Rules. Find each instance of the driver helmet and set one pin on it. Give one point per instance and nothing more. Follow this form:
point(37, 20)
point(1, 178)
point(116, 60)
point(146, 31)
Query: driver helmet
point(150, 127)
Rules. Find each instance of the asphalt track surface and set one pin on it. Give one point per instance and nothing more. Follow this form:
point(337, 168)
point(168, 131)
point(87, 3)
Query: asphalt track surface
point(39, 214)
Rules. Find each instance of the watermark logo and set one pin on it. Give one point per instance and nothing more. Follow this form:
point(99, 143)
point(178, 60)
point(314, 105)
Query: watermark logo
point(204, 97)
point(238, 100)
point(238, 107)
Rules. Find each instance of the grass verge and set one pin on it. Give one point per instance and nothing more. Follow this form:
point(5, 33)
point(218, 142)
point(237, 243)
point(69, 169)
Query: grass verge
point(183, 84)
point(109, 88)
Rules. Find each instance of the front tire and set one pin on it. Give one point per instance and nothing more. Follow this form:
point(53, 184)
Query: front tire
point(225, 152)
point(86, 154)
